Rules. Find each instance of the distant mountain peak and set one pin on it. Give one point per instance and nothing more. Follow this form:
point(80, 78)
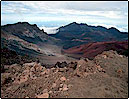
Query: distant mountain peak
point(22, 23)
point(113, 28)
point(74, 23)
point(79, 33)
point(19, 23)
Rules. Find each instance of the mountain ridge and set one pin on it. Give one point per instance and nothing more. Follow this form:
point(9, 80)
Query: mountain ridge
point(25, 38)
point(75, 34)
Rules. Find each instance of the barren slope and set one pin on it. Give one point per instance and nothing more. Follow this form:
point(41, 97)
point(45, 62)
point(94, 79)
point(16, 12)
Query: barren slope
point(104, 77)
point(90, 50)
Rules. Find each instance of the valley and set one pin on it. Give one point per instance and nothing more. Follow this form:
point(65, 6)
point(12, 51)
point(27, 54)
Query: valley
point(78, 61)
point(28, 39)
point(64, 49)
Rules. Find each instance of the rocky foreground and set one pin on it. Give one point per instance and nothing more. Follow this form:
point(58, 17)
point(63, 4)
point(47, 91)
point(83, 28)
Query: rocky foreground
point(106, 76)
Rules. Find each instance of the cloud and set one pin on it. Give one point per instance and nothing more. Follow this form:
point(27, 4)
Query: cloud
point(64, 6)
point(50, 30)
point(100, 12)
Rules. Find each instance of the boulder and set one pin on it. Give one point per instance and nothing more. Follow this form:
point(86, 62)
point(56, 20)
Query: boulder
point(57, 64)
point(29, 64)
point(45, 91)
point(61, 65)
point(44, 95)
point(5, 78)
point(50, 92)
point(61, 85)
point(2, 68)
point(27, 97)
point(104, 56)
point(63, 79)
point(85, 67)
point(72, 65)
point(60, 89)
point(65, 87)
point(53, 85)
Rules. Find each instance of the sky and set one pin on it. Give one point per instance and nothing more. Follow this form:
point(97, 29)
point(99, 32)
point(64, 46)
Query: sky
point(50, 15)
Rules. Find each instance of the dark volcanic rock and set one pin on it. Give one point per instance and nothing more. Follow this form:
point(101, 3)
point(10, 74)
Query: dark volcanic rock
point(61, 65)
point(9, 57)
point(27, 32)
point(75, 34)
point(72, 65)
point(24, 38)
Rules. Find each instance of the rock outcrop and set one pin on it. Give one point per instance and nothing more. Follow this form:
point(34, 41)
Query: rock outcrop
point(106, 74)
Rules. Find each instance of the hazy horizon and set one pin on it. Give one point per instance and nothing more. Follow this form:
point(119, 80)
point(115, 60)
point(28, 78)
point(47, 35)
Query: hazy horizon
point(54, 14)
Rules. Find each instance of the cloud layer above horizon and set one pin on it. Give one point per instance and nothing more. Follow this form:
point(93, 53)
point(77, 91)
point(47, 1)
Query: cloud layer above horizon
point(58, 13)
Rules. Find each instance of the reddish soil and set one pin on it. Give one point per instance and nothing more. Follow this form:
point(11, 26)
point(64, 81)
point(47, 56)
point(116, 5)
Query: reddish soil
point(90, 50)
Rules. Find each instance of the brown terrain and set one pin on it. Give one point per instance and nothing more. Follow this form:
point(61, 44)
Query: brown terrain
point(90, 50)
point(79, 61)
point(106, 76)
